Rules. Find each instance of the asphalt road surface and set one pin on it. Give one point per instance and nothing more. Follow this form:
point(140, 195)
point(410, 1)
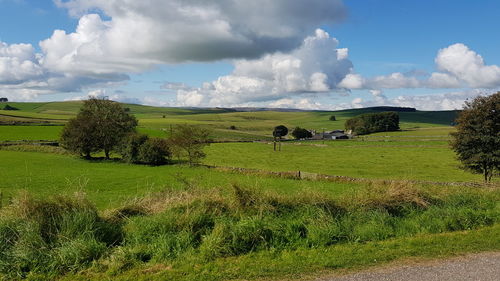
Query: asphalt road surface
point(477, 267)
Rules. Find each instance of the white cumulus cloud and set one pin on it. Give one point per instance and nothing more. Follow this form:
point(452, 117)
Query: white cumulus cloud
point(151, 31)
point(457, 65)
point(315, 67)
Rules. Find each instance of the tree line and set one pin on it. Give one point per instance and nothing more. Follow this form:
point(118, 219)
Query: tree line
point(105, 126)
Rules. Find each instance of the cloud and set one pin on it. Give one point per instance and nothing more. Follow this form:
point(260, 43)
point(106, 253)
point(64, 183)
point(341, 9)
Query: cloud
point(468, 67)
point(115, 38)
point(175, 86)
point(442, 101)
point(139, 34)
point(103, 94)
point(18, 63)
point(316, 67)
point(458, 66)
point(24, 74)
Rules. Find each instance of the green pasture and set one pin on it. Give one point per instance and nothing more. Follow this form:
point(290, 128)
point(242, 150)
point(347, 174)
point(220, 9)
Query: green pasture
point(411, 160)
point(248, 125)
point(30, 133)
point(419, 132)
point(109, 184)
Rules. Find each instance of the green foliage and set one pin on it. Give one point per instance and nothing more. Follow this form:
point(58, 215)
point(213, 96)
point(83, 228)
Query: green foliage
point(100, 125)
point(154, 151)
point(332, 118)
point(129, 148)
point(301, 133)
point(373, 122)
point(8, 107)
point(141, 149)
point(280, 131)
point(188, 141)
point(79, 136)
point(477, 140)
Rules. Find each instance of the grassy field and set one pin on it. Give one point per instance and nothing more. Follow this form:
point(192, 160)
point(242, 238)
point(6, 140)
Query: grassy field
point(30, 133)
point(64, 217)
point(109, 184)
point(249, 125)
point(406, 160)
point(192, 232)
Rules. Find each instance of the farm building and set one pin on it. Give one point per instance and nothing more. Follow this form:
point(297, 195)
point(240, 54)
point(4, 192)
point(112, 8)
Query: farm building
point(330, 135)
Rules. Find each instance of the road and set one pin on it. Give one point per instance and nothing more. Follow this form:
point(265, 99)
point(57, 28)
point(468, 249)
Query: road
point(477, 267)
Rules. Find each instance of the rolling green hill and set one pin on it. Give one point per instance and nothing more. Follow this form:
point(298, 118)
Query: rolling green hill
point(250, 125)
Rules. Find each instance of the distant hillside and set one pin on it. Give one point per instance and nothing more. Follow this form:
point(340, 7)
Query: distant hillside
point(226, 123)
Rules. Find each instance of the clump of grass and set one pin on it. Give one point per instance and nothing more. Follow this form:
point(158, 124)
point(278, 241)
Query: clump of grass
point(53, 235)
point(395, 197)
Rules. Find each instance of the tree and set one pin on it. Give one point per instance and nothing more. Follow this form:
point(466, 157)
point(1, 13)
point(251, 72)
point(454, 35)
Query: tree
point(477, 139)
point(4, 99)
point(100, 125)
point(373, 122)
point(279, 132)
point(188, 141)
point(333, 118)
point(301, 133)
point(78, 136)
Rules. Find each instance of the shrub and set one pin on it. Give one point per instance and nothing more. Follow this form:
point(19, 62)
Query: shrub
point(300, 133)
point(373, 122)
point(141, 149)
point(154, 151)
point(333, 118)
point(8, 107)
point(188, 141)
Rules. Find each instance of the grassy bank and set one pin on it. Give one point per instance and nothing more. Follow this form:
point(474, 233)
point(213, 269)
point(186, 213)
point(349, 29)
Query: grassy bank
point(178, 229)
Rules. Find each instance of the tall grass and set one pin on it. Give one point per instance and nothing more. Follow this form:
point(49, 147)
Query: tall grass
point(53, 236)
point(62, 234)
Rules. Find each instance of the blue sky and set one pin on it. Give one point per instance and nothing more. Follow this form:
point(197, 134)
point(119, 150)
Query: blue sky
point(393, 47)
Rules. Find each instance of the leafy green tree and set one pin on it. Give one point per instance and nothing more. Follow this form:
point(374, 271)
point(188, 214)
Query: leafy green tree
point(105, 124)
point(78, 136)
point(477, 139)
point(373, 122)
point(188, 141)
point(301, 133)
point(278, 133)
point(333, 118)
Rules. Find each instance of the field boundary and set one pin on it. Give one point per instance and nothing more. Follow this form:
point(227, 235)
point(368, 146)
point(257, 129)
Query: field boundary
point(26, 142)
point(300, 175)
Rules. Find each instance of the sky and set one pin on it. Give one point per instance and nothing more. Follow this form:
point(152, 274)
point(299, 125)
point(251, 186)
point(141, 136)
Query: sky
point(306, 54)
